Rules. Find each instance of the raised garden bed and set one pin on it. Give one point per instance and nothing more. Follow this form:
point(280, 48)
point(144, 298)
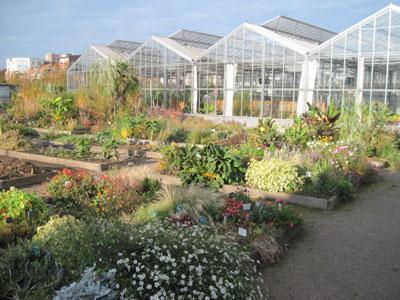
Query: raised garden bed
point(17, 173)
point(96, 166)
point(57, 131)
point(308, 201)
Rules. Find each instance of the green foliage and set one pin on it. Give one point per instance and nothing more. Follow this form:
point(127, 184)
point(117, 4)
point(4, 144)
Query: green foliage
point(326, 180)
point(20, 214)
point(178, 135)
point(139, 251)
point(367, 130)
point(109, 149)
point(124, 84)
point(63, 237)
point(149, 188)
point(19, 207)
point(274, 175)
point(211, 166)
point(266, 133)
point(72, 191)
point(320, 123)
point(297, 135)
point(83, 147)
point(13, 140)
point(248, 151)
point(207, 108)
point(81, 194)
point(29, 272)
point(59, 108)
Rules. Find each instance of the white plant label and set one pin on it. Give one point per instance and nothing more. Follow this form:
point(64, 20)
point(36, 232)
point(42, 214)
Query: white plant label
point(242, 231)
point(247, 206)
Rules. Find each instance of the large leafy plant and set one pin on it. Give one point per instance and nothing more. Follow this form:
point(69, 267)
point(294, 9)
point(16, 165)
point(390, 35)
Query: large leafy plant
point(60, 109)
point(297, 134)
point(266, 132)
point(19, 207)
point(322, 123)
point(212, 165)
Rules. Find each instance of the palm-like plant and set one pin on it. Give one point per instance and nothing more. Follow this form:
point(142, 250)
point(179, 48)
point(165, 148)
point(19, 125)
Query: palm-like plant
point(125, 84)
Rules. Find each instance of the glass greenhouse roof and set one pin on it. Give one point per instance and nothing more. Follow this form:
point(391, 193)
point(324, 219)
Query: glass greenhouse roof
point(298, 30)
point(124, 48)
point(298, 46)
point(194, 38)
point(187, 52)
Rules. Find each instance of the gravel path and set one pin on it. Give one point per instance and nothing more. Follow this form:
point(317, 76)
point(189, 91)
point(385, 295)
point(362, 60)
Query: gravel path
point(349, 253)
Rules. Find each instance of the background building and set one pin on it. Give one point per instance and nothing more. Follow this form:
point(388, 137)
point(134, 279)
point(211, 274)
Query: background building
point(51, 58)
point(22, 64)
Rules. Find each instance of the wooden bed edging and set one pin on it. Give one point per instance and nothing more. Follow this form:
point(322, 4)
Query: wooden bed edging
point(26, 181)
point(69, 163)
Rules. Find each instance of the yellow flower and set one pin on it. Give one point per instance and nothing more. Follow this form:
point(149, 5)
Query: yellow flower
point(210, 175)
point(262, 129)
point(125, 133)
point(162, 165)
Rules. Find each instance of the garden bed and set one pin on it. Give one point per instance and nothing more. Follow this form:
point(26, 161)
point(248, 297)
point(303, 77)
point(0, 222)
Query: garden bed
point(58, 131)
point(302, 200)
point(96, 166)
point(17, 173)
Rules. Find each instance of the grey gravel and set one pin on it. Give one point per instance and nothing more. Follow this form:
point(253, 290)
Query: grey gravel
point(349, 253)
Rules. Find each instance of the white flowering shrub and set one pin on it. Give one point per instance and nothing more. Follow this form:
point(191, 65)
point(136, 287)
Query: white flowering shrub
point(162, 261)
point(274, 175)
point(89, 287)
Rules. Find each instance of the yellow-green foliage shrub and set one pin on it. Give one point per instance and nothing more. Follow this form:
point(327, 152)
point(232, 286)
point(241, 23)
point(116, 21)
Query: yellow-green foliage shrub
point(274, 175)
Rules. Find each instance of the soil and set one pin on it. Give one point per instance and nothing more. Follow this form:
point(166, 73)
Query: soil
point(14, 168)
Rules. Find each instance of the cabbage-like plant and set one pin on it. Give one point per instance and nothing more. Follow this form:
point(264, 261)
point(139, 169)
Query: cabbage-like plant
point(274, 175)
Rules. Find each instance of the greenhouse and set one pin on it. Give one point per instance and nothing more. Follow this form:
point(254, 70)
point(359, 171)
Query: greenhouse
point(95, 55)
point(268, 70)
point(164, 66)
point(360, 65)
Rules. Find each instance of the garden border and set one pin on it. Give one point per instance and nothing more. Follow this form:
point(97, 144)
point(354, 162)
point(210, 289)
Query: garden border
point(18, 182)
point(302, 200)
point(70, 163)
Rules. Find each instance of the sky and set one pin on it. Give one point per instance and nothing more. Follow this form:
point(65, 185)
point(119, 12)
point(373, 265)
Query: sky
point(31, 28)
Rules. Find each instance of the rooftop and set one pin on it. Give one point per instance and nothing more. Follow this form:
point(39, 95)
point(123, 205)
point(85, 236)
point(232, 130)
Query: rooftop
point(298, 30)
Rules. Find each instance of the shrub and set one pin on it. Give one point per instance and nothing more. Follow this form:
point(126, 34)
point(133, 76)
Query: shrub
point(212, 165)
point(274, 175)
point(20, 213)
point(80, 194)
point(178, 135)
point(68, 239)
point(297, 134)
point(266, 133)
point(172, 261)
point(160, 259)
point(322, 123)
point(115, 196)
point(29, 272)
point(13, 140)
point(72, 191)
point(326, 179)
point(109, 149)
point(83, 147)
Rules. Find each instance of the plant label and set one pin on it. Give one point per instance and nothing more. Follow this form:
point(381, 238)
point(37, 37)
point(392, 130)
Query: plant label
point(247, 206)
point(202, 220)
point(242, 231)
